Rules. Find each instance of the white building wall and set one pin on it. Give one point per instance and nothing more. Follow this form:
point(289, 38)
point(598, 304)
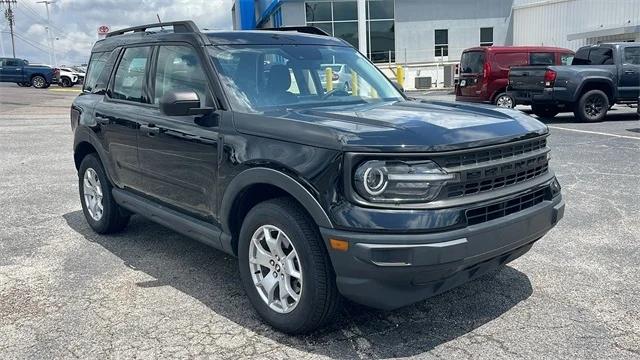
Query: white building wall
point(549, 22)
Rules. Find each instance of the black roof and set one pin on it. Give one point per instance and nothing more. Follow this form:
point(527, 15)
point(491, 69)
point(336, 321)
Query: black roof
point(242, 37)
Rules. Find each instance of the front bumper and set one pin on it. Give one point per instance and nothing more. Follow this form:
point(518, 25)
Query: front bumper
point(388, 271)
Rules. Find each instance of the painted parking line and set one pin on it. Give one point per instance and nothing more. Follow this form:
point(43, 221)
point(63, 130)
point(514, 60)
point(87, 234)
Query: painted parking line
point(595, 133)
point(65, 90)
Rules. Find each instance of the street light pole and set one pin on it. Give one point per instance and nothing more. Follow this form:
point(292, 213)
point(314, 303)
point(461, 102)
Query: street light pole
point(52, 49)
point(9, 15)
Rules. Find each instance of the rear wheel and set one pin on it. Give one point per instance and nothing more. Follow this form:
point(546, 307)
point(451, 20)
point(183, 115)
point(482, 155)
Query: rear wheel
point(39, 82)
point(285, 269)
point(99, 208)
point(544, 111)
point(504, 100)
point(592, 106)
point(66, 82)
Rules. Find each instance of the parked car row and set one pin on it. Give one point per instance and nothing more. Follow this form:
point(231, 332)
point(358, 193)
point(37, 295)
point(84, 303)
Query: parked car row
point(552, 80)
point(40, 76)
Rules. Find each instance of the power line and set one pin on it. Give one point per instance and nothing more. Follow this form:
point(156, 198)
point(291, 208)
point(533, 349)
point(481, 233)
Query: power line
point(50, 32)
point(8, 14)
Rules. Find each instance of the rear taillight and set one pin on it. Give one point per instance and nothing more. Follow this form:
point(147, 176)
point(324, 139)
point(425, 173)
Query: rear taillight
point(549, 78)
point(486, 70)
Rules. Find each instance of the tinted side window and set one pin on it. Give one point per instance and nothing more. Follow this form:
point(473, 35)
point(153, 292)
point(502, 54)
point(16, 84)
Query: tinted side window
point(129, 79)
point(632, 55)
point(581, 57)
point(179, 68)
point(601, 56)
point(566, 59)
point(542, 59)
point(96, 66)
point(12, 62)
point(507, 60)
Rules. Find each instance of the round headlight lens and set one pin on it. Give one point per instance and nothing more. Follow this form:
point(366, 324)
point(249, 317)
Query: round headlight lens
point(375, 180)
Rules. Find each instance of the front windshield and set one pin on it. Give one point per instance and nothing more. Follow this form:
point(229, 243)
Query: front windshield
point(258, 78)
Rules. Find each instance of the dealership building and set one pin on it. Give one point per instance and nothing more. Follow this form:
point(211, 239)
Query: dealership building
point(428, 36)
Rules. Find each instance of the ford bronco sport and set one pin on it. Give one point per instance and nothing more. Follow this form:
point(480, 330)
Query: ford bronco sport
point(230, 138)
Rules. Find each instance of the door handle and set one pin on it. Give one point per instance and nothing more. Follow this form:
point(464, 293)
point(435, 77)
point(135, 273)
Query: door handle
point(629, 72)
point(150, 129)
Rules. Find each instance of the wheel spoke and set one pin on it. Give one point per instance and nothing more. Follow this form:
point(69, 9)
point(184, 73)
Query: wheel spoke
point(290, 268)
point(284, 293)
point(261, 257)
point(269, 283)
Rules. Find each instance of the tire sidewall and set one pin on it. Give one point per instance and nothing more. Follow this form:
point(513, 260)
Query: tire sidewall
point(102, 225)
point(270, 214)
point(582, 114)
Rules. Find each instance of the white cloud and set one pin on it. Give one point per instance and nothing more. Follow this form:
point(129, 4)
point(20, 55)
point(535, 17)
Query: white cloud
point(75, 23)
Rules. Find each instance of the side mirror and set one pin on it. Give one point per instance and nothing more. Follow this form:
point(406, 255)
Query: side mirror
point(397, 85)
point(182, 103)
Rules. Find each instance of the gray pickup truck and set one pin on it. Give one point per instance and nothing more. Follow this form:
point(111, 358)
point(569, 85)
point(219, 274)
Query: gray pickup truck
point(19, 71)
point(599, 76)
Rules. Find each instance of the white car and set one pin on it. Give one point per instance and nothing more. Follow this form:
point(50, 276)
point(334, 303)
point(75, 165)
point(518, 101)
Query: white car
point(68, 77)
point(341, 76)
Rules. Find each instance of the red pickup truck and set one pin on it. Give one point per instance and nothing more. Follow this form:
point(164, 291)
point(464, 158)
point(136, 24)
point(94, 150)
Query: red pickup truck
point(484, 71)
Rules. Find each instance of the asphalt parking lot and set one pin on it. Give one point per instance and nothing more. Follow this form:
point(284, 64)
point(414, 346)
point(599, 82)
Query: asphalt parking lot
point(66, 292)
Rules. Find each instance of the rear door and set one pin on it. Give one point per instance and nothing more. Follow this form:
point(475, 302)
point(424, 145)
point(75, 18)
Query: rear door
point(178, 157)
point(629, 87)
point(120, 113)
point(471, 72)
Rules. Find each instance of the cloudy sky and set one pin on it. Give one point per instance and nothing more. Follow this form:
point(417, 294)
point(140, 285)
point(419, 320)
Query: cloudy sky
point(75, 23)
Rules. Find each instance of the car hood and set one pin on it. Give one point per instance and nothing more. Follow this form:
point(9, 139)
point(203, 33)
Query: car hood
point(406, 126)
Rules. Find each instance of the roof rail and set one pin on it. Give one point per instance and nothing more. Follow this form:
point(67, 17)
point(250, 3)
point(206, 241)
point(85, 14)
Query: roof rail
point(184, 26)
point(301, 29)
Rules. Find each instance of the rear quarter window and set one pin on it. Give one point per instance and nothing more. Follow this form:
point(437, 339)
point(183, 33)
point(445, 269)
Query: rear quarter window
point(97, 64)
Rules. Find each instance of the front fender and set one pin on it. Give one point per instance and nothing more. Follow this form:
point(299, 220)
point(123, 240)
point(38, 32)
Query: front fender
point(262, 175)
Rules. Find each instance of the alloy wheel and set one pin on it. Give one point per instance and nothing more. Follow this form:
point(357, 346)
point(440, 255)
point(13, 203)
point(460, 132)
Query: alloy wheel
point(505, 102)
point(593, 106)
point(275, 268)
point(92, 190)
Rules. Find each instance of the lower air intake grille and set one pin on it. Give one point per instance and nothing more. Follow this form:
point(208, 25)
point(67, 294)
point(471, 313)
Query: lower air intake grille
point(508, 207)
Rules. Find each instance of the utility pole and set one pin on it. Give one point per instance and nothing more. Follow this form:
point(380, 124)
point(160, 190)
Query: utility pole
point(8, 14)
point(52, 49)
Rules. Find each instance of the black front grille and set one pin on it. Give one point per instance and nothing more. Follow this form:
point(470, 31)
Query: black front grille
point(494, 177)
point(495, 167)
point(508, 207)
point(478, 157)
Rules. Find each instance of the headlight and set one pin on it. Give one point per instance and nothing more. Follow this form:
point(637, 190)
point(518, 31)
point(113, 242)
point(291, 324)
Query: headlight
point(395, 181)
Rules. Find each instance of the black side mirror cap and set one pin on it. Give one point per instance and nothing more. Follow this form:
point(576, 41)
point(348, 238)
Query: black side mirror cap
point(182, 103)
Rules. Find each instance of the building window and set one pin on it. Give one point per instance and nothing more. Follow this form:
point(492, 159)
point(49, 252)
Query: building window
point(276, 18)
point(486, 36)
point(340, 19)
point(441, 42)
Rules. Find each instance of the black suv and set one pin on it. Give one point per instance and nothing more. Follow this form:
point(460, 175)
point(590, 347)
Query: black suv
point(239, 140)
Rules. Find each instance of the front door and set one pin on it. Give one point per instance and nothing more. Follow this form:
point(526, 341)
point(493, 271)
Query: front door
point(178, 157)
point(11, 70)
point(629, 87)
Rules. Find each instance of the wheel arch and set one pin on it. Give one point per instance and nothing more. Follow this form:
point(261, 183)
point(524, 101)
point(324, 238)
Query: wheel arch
point(256, 185)
point(495, 94)
point(603, 84)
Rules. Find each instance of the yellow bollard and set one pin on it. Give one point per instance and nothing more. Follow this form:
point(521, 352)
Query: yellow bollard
point(354, 83)
point(328, 76)
point(400, 76)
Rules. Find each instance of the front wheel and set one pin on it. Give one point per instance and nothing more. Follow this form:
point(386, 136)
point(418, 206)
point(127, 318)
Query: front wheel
point(285, 269)
point(66, 82)
point(505, 100)
point(592, 106)
point(545, 111)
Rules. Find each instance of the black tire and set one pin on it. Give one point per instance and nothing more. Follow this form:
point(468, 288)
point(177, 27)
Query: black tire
point(39, 82)
point(113, 218)
point(319, 298)
point(504, 100)
point(544, 111)
point(20, 84)
point(66, 82)
point(592, 106)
